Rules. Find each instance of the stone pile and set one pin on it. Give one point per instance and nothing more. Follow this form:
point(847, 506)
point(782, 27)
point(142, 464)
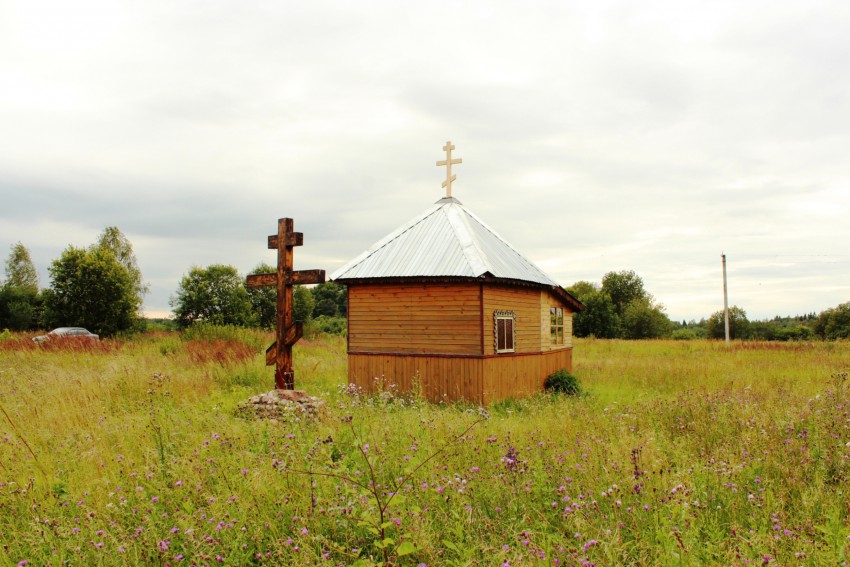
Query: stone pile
point(281, 405)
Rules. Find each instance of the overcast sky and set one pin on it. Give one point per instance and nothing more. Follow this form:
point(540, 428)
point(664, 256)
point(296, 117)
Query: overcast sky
point(595, 136)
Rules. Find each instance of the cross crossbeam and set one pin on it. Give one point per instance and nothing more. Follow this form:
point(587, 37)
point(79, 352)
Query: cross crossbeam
point(287, 331)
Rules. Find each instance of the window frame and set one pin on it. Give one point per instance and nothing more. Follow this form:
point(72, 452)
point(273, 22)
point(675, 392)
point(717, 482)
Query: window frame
point(509, 319)
point(556, 326)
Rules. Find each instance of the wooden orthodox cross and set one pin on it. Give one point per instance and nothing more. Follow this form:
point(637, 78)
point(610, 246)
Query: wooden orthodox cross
point(449, 162)
point(288, 331)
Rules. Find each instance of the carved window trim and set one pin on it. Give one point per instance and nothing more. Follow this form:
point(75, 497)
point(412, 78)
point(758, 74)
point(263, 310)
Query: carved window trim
point(504, 331)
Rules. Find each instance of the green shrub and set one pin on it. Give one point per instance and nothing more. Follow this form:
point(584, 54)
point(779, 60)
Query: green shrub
point(161, 325)
point(562, 382)
point(169, 345)
point(506, 407)
point(689, 334)
point(327, 325)
point(799, 333)
point(5, 334)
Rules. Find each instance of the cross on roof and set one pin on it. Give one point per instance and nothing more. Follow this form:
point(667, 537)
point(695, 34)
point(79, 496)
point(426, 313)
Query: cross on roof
point(449, 162)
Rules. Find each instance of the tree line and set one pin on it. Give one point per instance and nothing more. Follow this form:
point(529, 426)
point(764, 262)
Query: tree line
point(620, 307)
point(217, 295)
point(100, 287)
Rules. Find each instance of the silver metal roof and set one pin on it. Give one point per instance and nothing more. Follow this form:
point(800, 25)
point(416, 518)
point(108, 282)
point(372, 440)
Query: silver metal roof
point(445, 240)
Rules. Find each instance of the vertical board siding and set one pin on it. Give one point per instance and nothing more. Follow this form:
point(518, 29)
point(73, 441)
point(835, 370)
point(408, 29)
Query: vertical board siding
point(438, 378)
point(415, 318)
point(518, 376)
point(474, 379)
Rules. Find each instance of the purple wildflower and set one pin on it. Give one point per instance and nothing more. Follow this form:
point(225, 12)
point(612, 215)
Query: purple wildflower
point(511, 459)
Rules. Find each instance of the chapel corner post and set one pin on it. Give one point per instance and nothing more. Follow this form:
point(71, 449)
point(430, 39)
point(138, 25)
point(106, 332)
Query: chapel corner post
point(287, 331)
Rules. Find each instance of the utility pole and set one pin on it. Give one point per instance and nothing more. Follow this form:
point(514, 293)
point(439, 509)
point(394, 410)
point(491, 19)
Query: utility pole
point(725, 299)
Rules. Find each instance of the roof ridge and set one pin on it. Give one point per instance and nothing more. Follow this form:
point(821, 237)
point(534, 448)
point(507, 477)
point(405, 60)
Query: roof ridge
point(465, 236)
point(519, 254)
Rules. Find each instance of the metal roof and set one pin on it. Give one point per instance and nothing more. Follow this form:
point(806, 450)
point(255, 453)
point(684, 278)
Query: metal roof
point(446, 240)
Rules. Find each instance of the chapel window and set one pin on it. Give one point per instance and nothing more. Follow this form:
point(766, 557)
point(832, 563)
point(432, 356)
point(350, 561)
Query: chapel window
point(505, 330)
point(556, 325)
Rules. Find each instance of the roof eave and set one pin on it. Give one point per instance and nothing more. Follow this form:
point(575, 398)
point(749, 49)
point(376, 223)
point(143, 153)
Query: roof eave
point(568, 298)
point(487, 278)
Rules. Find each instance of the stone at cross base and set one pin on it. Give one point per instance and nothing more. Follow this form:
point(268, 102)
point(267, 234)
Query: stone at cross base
point(281, 406)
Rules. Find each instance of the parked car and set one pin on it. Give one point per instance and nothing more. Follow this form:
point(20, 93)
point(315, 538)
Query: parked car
point(67, 333)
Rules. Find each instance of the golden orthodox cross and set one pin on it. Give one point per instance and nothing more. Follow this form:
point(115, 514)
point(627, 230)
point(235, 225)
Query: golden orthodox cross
point(287, 331)
point(449, 162)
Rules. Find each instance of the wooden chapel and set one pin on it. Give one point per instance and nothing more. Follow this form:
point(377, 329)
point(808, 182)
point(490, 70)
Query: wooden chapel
point(445, 304)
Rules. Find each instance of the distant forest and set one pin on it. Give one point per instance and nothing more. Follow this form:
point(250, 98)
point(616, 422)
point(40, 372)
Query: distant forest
point(620, 307)
point(101, 288)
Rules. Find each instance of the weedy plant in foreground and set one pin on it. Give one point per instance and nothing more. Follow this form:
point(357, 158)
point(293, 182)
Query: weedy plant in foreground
point(377, 516)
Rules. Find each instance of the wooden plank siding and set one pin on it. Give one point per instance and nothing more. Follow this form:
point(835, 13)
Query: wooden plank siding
point(517, 376)
point(526, 304)
point(547, 301)
point(438, 378)
point(478, 379)
point(417, 319)
point(439, 339)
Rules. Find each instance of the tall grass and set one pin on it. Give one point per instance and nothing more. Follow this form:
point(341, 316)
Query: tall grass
point(677, 453)
point(641, 370)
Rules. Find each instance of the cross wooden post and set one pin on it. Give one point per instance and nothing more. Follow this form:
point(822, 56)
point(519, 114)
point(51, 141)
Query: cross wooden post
point(287, 331)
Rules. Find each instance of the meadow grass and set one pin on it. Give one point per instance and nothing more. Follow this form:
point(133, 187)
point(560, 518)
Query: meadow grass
point(676, 453)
